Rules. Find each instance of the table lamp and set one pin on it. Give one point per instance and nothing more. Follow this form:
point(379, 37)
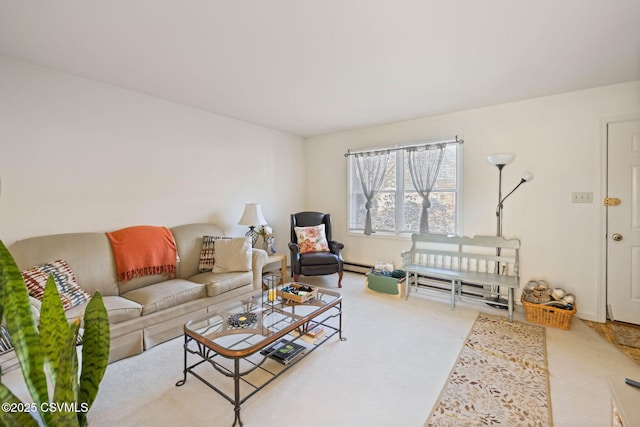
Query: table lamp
point(252, 217)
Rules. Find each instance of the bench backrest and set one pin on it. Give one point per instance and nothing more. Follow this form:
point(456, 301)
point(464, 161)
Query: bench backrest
point(483, 254)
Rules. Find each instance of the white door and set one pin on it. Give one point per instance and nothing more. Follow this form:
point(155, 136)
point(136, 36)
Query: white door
point(623, 221)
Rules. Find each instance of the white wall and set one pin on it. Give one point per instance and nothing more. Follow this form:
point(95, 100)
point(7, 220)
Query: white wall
point(77, 155)
point(558, 138)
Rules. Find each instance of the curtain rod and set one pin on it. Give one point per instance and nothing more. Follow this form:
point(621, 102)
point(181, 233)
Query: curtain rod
point(421, 144)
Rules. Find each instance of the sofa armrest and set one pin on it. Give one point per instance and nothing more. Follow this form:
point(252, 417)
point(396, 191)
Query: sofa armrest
point(36, 304)
point(258, 260)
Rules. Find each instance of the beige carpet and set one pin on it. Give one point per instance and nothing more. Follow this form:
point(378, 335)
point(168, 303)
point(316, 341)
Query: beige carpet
point(500, 378)
point(389, 373)
point(386, 374)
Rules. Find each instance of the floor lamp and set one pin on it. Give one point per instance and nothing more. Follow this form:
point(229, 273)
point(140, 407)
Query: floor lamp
point(500, 160)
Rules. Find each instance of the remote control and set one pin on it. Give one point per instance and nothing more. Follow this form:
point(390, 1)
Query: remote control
point(632, 382)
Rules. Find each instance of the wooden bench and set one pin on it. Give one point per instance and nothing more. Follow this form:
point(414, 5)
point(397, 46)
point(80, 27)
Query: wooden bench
point(468, 267)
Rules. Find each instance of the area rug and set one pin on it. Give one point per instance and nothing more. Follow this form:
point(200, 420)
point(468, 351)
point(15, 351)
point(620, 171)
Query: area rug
point(500, 378)
point(626, 335)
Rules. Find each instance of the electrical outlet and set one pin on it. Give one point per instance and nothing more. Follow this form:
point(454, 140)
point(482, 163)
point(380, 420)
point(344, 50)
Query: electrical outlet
point(586, 197)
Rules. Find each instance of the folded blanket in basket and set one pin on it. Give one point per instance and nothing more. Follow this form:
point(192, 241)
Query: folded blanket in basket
point(143, 250)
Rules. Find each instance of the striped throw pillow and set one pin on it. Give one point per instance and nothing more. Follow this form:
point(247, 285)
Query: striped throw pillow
point(70, 292)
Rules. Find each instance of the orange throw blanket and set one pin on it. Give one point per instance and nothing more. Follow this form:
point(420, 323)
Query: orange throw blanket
point(143, 250)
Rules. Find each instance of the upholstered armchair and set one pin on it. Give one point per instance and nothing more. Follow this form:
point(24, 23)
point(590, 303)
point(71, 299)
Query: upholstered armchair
point(313, 253)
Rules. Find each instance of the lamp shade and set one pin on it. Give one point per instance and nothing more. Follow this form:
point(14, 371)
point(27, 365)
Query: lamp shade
point(526, 176)
point(501, 159)
point(252, 215)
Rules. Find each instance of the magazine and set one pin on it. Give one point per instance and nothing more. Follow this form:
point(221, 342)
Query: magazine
point(283, 351)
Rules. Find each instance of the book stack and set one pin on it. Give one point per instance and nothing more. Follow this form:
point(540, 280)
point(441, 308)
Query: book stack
point(312, 335)
point(283, 351)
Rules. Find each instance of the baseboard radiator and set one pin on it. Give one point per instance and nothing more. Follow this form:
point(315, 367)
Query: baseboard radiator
point(355, 267)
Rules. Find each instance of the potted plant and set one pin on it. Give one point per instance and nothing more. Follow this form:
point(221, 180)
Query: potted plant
point(47, 353)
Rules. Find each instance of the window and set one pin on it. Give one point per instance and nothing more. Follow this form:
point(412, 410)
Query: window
point(396, 206)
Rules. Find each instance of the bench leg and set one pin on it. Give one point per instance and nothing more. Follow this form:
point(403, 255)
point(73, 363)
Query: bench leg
point(407, 284)
point(510, 301)
point(453, 294)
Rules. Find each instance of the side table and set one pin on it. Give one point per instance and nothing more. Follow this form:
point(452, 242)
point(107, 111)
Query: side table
point(280, 261)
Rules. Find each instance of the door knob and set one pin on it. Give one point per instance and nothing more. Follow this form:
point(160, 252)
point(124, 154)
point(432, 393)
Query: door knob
point(617, 237)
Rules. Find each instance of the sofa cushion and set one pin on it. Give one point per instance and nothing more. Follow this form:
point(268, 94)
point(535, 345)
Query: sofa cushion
point(118, 309)
point(207, 253)
point(219, 283)
point(233, 255)
point(166, 294)
point(71, 294)
point(141, 282)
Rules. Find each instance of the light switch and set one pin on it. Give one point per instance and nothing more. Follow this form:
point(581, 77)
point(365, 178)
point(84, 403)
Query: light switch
point(584, 197)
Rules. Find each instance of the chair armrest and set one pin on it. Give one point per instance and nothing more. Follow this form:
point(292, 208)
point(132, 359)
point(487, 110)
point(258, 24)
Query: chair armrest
point(294, 258)
point(294, 248)
point(336, 247)
point(407, 257)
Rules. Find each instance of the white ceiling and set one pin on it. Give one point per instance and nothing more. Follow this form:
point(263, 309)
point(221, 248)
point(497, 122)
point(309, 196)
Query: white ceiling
point(313, 67)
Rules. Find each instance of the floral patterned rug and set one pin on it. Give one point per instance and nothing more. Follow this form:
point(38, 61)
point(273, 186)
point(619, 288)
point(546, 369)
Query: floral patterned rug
point(500, 378)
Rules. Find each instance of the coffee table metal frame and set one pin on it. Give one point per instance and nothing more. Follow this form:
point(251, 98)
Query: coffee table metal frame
point(212, 337)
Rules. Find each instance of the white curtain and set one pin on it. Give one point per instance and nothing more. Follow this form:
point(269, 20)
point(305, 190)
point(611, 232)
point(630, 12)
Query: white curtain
point(424, 166)
point(371, 169)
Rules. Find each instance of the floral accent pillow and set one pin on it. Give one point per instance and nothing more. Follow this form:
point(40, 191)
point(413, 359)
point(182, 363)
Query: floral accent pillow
point(312, 239)
point(70, 292)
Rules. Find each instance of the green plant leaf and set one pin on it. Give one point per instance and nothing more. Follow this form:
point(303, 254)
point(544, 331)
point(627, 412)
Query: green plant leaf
point(17, 418)
point(64, 390)
point(22, 327)
point(56, 343)
point(54, 328)
point(95, 352)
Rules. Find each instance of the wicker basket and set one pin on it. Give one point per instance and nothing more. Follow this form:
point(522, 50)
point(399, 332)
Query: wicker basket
point(548, 315)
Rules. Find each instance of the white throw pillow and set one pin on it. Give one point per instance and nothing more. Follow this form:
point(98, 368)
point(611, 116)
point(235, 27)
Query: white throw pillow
point(207, 252)
point(233, 255)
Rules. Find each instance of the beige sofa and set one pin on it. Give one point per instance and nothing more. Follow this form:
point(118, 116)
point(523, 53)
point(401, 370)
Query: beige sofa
point(148, 310)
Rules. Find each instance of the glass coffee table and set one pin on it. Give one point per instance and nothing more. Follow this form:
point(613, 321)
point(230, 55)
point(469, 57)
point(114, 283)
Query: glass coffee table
point(256, 338)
